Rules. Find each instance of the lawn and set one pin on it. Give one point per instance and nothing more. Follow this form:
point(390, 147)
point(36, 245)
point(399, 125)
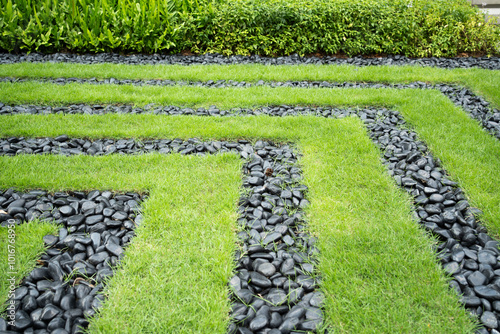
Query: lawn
point(377, 267)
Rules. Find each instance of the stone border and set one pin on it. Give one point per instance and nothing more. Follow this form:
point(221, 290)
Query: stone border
point(491, 63)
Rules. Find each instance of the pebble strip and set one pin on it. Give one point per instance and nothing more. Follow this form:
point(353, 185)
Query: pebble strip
point(274, 288)
point(273, 291)
point(466, 251)
point(476, 106)
point(492, 63)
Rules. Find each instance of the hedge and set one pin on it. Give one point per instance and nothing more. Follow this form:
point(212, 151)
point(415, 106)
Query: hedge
point(415, 28)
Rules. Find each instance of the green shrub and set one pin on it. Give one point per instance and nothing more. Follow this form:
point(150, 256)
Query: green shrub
point(265, 27)
point(413, 28)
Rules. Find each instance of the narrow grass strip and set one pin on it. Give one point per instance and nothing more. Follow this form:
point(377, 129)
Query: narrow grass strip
point(186, 252)
point(484, 82)
point(249, 73)
point(175, 273)
point(378, 271)
point(44, 93)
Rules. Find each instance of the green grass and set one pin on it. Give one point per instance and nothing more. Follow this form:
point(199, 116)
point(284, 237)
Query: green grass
point(361, 218)
point(368, 243)
point(484, 82)
point(473, 161)
point(36, 92)
point(182, 257)
point(378, 271)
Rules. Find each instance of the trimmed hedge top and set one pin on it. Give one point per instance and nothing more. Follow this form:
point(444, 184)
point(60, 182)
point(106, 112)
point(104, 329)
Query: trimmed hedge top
point(414, 28)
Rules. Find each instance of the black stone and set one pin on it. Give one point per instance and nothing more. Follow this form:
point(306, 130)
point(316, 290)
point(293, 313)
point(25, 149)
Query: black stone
point(271, 238)
point(258, 323)
point(452, 267)
point(476, 279)
point(471, 301)
point(3, 325)
point(91, 220)
point(55, 271)
point(29, 303)
point(267, 269)
point(49, 312)
point(276, 320)
point(22, 323)
point(244, 295)
point(67, 210)
point(310, 325)
point(103, 274)
point(489, 320)
point(20, 292)
point(487, 292)
point(56, 323)
point(296, 312)
point(288, 325)
point(75, 220)
point(114, 249)
point(98, 258)
point(486, 257)
point(259, 280)
point(68, 302)
point(317, 299)
point(120, 215)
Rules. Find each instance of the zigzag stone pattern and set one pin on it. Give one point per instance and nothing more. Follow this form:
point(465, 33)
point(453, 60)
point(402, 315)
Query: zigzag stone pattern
point(466, 251)
point(476, 106)
point(273, 291)
point(491, 63)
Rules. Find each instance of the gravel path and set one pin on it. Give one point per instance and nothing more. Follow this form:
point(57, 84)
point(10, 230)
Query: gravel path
point(466, 252)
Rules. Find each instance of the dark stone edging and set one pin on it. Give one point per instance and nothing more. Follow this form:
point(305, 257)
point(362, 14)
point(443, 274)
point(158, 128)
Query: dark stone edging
point(476, 106)
point(492, 63)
